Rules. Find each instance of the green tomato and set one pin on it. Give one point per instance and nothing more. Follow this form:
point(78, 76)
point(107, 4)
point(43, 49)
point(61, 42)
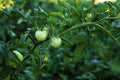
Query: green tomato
point(55, 42)
point(89, 17)
point(19, 55)
point(41, 35)
point(46, 29)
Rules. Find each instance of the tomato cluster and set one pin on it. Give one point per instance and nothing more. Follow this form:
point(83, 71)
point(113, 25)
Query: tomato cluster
point(41, 35)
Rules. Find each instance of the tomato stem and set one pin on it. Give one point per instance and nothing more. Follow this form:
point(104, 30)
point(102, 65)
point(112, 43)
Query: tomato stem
point(90, 24)
point(108, 18)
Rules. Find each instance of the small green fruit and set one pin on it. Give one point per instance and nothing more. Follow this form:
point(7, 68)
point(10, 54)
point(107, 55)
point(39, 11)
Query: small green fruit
point(55, 42)
point(41, 35)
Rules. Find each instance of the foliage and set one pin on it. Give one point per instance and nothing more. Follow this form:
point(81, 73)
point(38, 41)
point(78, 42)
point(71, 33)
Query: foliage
point(90, 34)
point(6, 4)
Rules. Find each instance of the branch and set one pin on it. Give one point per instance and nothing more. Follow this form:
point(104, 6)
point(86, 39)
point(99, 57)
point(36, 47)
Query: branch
point(31, 52)
point(90, 24)
point(108, 18)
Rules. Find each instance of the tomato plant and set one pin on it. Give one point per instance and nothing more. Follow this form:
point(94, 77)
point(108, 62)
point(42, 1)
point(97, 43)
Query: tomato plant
point(59, 40)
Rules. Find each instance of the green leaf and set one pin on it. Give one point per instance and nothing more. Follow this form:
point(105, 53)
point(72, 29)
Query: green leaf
point(63, 76)
point(2, 33)
point(3, 49)
point(5, 72)
point(7, 78)
point(64, 3)
point(79, 51)
point(57, 14)
point(115, 65)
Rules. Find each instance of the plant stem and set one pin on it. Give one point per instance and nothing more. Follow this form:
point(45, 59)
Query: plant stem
point(107, 18)
point(31, 52)
point(90, 24)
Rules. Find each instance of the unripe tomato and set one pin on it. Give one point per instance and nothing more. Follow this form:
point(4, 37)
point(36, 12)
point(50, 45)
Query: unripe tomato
point(46, 29)
point(18, 54)
point(55, 42)
point(89, 17)
point(41, 35)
